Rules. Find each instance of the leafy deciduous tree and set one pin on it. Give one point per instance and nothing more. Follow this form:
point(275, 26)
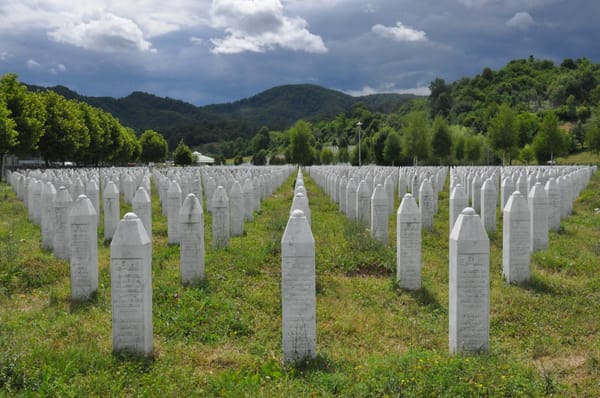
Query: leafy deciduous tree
point(392, 150)
point(182, 155)
point(302, 143)
point(549, 142)
point(154, 147)
point(502, 132)
point(415, 142)
point(441, 141)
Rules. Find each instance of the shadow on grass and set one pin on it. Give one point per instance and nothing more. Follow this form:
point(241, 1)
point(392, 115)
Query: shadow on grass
point(538, 285)
point(307, 366)
point(424, 298)
point(84, 305)
point(143, 363)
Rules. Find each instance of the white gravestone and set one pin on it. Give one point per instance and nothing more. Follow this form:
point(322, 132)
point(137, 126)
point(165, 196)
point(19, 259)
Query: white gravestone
point(388, 185)
point(489, 201)
point(426, 205)
point(93, 193)
point(300, 202)
point(60, 240)
point(83, 243)
point(351, 199)
point(363, 203)
point(458, 201)
point(506, 189)
point(469, 292)
point(192, 241)
point(248, 200)
point(173, 206)
point(48, 195)
point(236, 209)
point(538, 204)
point(553, 192)
point(408, 244)
point(516, 240)
point(298, 290)
point(112, 209)
point(379, 214)
point(131, 287)
point(476, 193)
point(220, 218)
point(142, 207)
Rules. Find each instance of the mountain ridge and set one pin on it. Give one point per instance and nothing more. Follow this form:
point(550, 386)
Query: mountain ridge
point(276, 108)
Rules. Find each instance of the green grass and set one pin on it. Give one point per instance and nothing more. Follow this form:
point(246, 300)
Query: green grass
point(223, 337)
point(582, 157)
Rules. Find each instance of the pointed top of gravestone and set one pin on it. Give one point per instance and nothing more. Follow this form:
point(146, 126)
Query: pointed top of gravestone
point(458, 192)
point(191, 210)
point(141, 196)
point(174, 188)
point(236, 190)
point(468, 227)
point(516, 204)
point(63, 195)
point(111, 189)
point(297, 233)
point(220, 196)
point(130, 232)
point(297, 213)
point(82, 207)
point(408, 205)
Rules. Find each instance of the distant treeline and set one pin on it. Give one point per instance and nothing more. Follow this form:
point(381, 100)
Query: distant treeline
point(44, 123)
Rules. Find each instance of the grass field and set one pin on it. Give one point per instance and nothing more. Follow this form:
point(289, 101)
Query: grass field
point(223, 338)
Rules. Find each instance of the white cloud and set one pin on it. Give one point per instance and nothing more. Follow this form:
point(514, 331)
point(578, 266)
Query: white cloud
point(59, 68)
point(260, 26)
point(387, 88)
point(399, 32)
point(4, 55)
point(33, 64)
point(108, 33)
point(521, 20)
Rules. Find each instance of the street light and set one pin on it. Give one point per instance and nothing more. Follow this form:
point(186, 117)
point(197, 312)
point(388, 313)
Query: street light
point(358, 124)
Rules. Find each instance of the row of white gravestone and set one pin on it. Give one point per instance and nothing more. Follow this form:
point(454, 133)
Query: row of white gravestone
point(367, 205)
point(298, 281)
point(232, 195)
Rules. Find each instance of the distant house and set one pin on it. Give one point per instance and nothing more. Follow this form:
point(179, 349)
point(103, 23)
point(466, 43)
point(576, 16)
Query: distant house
point(202, 159)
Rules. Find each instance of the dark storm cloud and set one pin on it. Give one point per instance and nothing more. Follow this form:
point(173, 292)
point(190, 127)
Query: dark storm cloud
point(223, 50)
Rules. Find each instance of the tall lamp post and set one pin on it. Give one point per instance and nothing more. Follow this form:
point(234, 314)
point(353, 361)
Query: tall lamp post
point(358, 124)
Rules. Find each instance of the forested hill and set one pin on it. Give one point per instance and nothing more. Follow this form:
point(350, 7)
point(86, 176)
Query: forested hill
point(276, 108)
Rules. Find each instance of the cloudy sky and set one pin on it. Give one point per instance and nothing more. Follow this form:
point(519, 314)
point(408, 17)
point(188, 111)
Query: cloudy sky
point(213, 51)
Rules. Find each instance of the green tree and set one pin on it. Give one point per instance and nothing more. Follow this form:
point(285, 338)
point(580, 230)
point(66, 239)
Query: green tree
point(326, 156)
point(260, 158)
point(527, 154)
point(8, 132)
point(379, 144)
point(549, 142)
point(502, 132)
point(27, 110)
point(415, 140)
point(392, 150)
point(527, 126)
point(473, 148)
point(65, 130)
point(441, 141)
point(302, 143)
point(182, 155)
point(100, 144)
point(440, 97)
point(154, 147)
point(261, 140)
point(342, 155)
point(592, 135)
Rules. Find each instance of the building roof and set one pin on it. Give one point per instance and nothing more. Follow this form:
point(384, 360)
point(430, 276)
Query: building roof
point(203, 158)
